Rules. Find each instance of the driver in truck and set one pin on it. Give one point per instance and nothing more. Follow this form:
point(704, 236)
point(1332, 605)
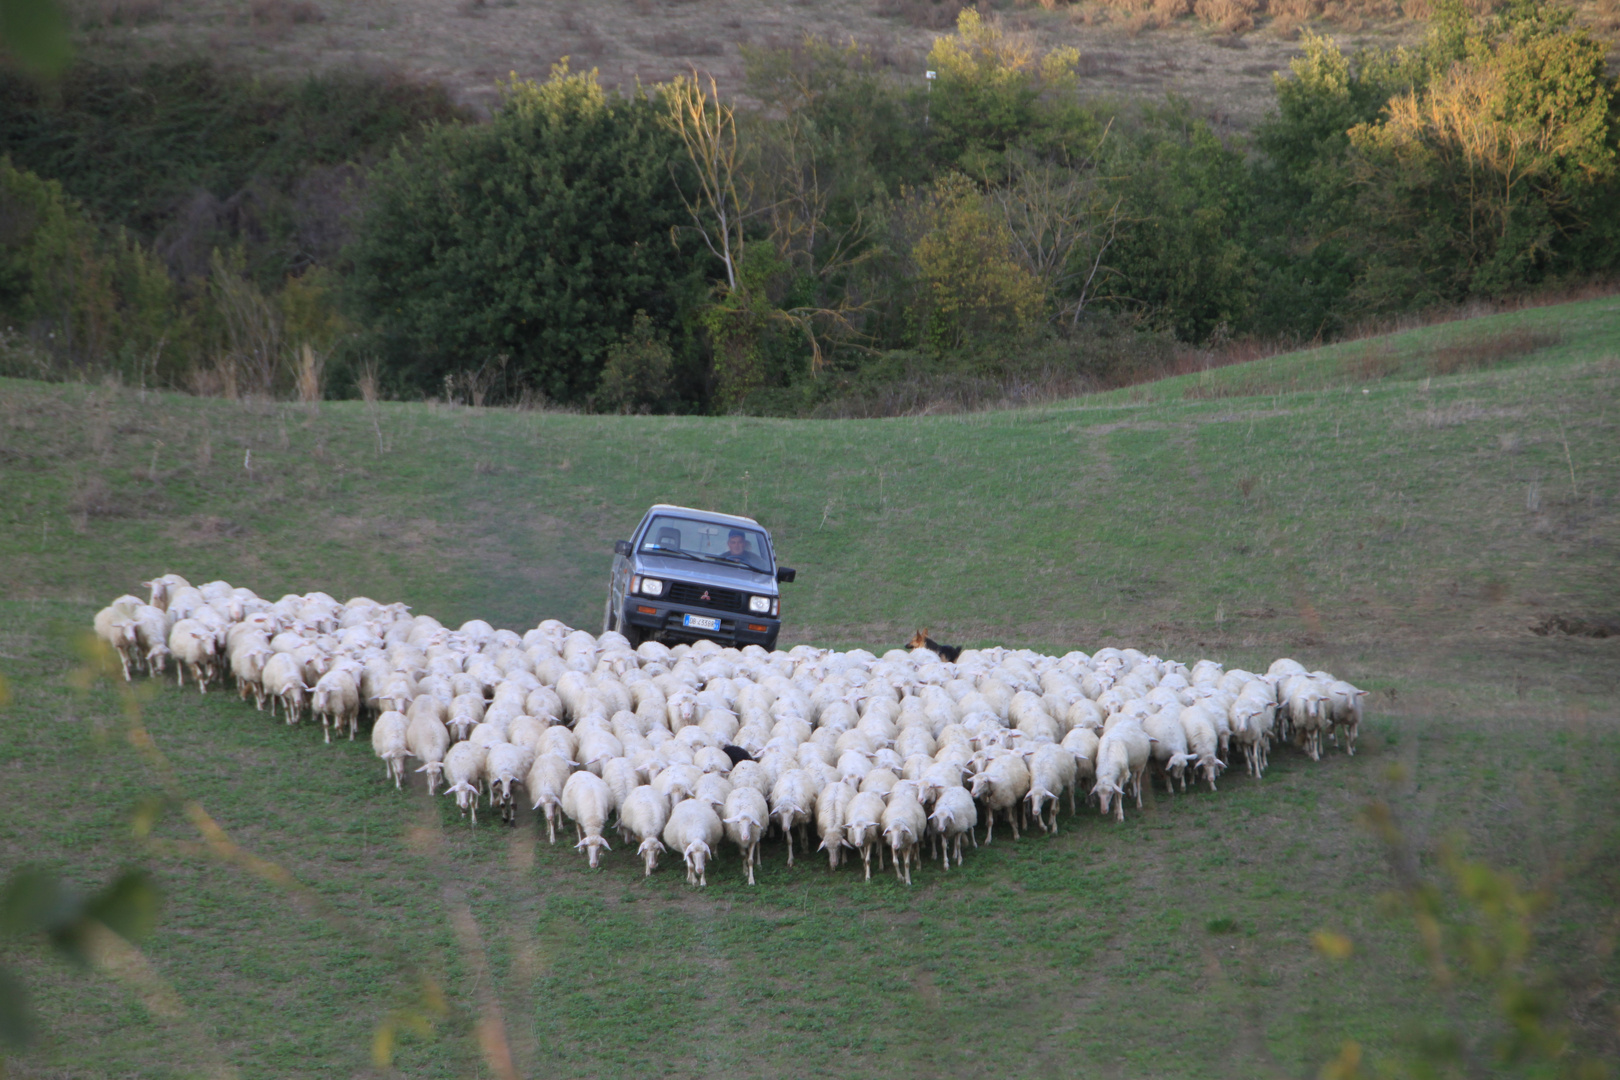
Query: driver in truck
point(737, 548)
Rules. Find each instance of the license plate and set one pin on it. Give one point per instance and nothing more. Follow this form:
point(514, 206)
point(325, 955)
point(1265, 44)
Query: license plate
point(700, 622)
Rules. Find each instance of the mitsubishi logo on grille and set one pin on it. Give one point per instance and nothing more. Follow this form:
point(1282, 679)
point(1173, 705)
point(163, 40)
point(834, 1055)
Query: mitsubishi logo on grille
point(705, 595)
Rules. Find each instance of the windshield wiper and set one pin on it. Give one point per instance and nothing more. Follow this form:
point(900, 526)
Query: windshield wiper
point(667, 551)
point(729, 559)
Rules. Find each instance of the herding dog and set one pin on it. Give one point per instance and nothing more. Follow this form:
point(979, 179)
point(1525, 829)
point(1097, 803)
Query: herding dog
point(948, 653)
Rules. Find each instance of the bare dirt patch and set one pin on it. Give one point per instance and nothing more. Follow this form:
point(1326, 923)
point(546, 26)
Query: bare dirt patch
point(1577, 626)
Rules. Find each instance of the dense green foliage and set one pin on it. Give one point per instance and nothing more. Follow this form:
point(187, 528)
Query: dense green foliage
point(102, 299)
point(188, 156)
point(536, 236)
point(780, 253)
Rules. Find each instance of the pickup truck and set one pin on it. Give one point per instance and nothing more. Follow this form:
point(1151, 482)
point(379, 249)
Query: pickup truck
point(686, 574)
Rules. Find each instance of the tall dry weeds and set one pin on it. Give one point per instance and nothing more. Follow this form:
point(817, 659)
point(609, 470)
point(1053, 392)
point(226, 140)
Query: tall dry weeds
point(310, 375)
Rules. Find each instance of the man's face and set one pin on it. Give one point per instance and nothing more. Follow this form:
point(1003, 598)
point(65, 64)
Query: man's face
point(734, 544)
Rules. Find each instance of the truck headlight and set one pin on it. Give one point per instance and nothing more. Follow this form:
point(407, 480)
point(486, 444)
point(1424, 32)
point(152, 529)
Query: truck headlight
point(759, 604)
point(651, 586)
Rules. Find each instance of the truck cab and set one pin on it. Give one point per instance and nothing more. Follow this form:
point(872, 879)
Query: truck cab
point(687, 574)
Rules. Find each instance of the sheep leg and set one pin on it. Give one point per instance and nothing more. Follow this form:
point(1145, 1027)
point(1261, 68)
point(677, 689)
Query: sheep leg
point(789, 834)
point(1014, 820)
point(990, 825)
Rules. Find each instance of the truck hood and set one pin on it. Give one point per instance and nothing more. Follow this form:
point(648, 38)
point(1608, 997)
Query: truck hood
point(705, 573)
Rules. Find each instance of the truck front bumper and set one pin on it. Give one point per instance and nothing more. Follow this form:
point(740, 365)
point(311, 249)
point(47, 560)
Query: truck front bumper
point(665, 620)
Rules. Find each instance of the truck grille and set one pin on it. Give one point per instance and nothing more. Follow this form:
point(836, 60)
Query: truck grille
point(719, 599)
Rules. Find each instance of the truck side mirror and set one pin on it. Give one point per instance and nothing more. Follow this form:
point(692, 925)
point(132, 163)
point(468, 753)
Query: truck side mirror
point(786, 573)
point(622, 547)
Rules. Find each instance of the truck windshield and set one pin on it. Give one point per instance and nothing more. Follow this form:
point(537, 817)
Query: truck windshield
point(707, 541)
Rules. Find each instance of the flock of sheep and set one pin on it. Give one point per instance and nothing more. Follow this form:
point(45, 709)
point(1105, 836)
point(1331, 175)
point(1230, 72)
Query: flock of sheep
point(684, 747)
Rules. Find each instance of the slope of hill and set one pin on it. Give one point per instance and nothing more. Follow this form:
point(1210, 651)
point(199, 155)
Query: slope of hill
point(468, 46)
point(1420, 533)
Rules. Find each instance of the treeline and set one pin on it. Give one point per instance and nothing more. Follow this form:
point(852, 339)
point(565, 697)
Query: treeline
point(848, 243)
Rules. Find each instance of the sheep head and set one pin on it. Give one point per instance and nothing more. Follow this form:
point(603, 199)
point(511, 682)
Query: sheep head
point(435, 771)
point(649, 851)
point(593, 846)
point(1106, 791)
point(697, 860)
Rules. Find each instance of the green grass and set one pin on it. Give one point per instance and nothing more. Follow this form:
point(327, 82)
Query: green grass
point(1407, 538)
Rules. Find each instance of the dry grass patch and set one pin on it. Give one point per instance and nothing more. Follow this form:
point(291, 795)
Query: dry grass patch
point(1480, 352)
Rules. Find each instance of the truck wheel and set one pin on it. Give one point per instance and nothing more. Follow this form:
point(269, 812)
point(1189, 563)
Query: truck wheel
point(635, 635)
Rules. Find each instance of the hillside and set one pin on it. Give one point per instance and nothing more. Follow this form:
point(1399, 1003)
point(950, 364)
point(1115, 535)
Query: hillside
point(469, 45)
point(1220, 53)
point(1413, 513)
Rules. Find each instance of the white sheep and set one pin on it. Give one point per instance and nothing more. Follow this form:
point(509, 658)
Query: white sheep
point(247, 666)
point(464, 776)
point(904, 824)
point(863, 826)
point(793, 802)
point(1002, 786)
point(388, 741)
point(1202, 742)
point(1344, 711)
point(505, 766)
point(955, 815)
point(1137, 747)
point(193, 647)
point(547, 777)
point(1052, 772)
point(428, 741)
point(587, 801)
point(832, 806)
point(695, 830)
point(642, 817)
point(336, 700)
point(283, 682)
point(746, 817)
point(1170, 752)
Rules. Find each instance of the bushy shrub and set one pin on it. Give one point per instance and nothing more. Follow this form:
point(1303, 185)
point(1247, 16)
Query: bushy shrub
point(973, 288)
point(1474, 184)
point(85, 298)
point(636, 374)
point(537, 235)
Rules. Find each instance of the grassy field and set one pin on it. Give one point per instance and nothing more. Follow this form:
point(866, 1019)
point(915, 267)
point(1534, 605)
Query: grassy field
point(1404, 512)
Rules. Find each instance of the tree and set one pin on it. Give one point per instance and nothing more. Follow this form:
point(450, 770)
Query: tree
point(719, 206)
point(1182, 258)
point(87, 297)
point(995, 94)
point(974, 288)
point(1062, 222)
point(1496, 174)
point(537, 236)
